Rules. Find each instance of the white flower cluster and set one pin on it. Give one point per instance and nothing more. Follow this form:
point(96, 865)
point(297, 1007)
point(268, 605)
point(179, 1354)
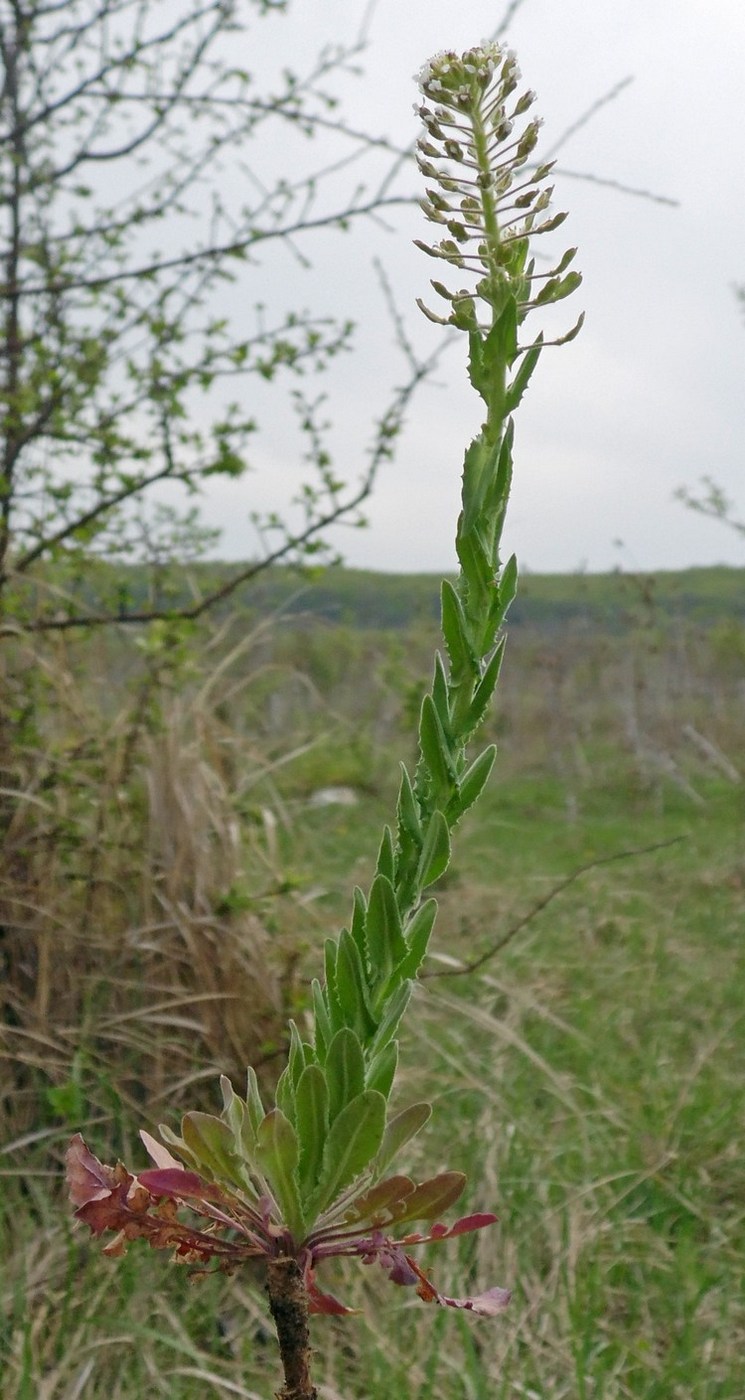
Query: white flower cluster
point(451, 77)
point(474, 153)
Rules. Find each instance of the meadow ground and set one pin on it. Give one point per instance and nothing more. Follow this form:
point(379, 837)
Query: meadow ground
point(587, 1075)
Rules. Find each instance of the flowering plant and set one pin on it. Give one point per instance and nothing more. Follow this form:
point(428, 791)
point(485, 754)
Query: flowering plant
point(306, 1180)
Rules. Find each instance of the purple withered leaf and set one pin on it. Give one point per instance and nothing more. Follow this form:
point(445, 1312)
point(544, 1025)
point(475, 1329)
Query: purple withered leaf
point(397, 1266)
point(488, 1304)
point(179, 1184)
point(478, 1221)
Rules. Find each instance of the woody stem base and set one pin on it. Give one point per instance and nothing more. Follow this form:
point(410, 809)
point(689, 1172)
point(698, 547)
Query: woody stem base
point(288, 1303)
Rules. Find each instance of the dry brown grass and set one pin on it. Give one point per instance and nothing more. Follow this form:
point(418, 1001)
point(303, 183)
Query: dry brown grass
point(139, 873)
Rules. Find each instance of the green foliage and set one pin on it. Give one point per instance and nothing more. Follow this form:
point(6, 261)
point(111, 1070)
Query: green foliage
point(119, 380)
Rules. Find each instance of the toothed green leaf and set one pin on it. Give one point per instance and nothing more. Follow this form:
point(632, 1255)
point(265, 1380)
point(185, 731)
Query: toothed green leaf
point(353, 1142)
point(277, 1156)
point(435, 857)
point(382, 1069)
point(398, 1131)
point(345, 1070)
point(312, 1119)
point(418, 933)
point(351, 989)
point(434, 746)
point(384, 937)
point(386, 864)
point(472, 784)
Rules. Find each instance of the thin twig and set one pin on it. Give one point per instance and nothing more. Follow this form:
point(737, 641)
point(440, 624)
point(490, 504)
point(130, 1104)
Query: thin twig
point(541, 904)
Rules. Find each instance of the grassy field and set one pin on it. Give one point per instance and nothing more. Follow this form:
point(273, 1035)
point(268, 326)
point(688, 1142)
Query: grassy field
point(587, 1074)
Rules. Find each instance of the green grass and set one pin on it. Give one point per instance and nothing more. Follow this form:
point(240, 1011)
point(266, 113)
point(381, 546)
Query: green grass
point(588, 1078)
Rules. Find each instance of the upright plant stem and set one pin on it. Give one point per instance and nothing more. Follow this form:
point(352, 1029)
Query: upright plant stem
point(288, 1304)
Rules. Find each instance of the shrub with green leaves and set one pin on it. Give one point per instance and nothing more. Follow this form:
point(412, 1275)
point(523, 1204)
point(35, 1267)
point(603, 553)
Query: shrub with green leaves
point(310, 1177)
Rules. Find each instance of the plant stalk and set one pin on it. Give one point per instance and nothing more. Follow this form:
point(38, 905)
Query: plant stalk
point(288, 1304)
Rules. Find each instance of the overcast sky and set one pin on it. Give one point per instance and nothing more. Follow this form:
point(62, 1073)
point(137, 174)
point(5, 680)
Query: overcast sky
point(652, 395)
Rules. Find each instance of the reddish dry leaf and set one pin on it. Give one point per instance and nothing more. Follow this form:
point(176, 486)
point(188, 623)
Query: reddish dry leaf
point(179, 1183)
point(87, 1178)
point(319, 1302)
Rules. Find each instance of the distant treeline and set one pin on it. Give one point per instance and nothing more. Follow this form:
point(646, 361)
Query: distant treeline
point(547, 601)
point(363, 599)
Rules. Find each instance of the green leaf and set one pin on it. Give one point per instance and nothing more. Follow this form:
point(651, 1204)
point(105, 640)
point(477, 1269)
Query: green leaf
point(522, 378)
point(386, 864)
point(211, 1141)
point(476, 364)
point(353, 1141)
point(477, 566)
point(434, 746)
point(472, 784)
point(473, 473)
point(351, 989)
point(435, 857)
point(359, 923)
point(463, 659)
point(394, 1010)
point(321, 1019)
point(500, 345)
point(67, 1100)
point(301, 1054)
point(440, 693)
point(345, 1071)
point(284, 1094)
point(333, 1002)
point(485, 689)
point(385, 940)
point(508, 584)
point(234, 1108)
point(409, 818)
point(381, 1071)
point(312, 1121)
point(253, 1100)
point(417, 933)
point(500, 479)
point(277, 1156)
point(400, 1130)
